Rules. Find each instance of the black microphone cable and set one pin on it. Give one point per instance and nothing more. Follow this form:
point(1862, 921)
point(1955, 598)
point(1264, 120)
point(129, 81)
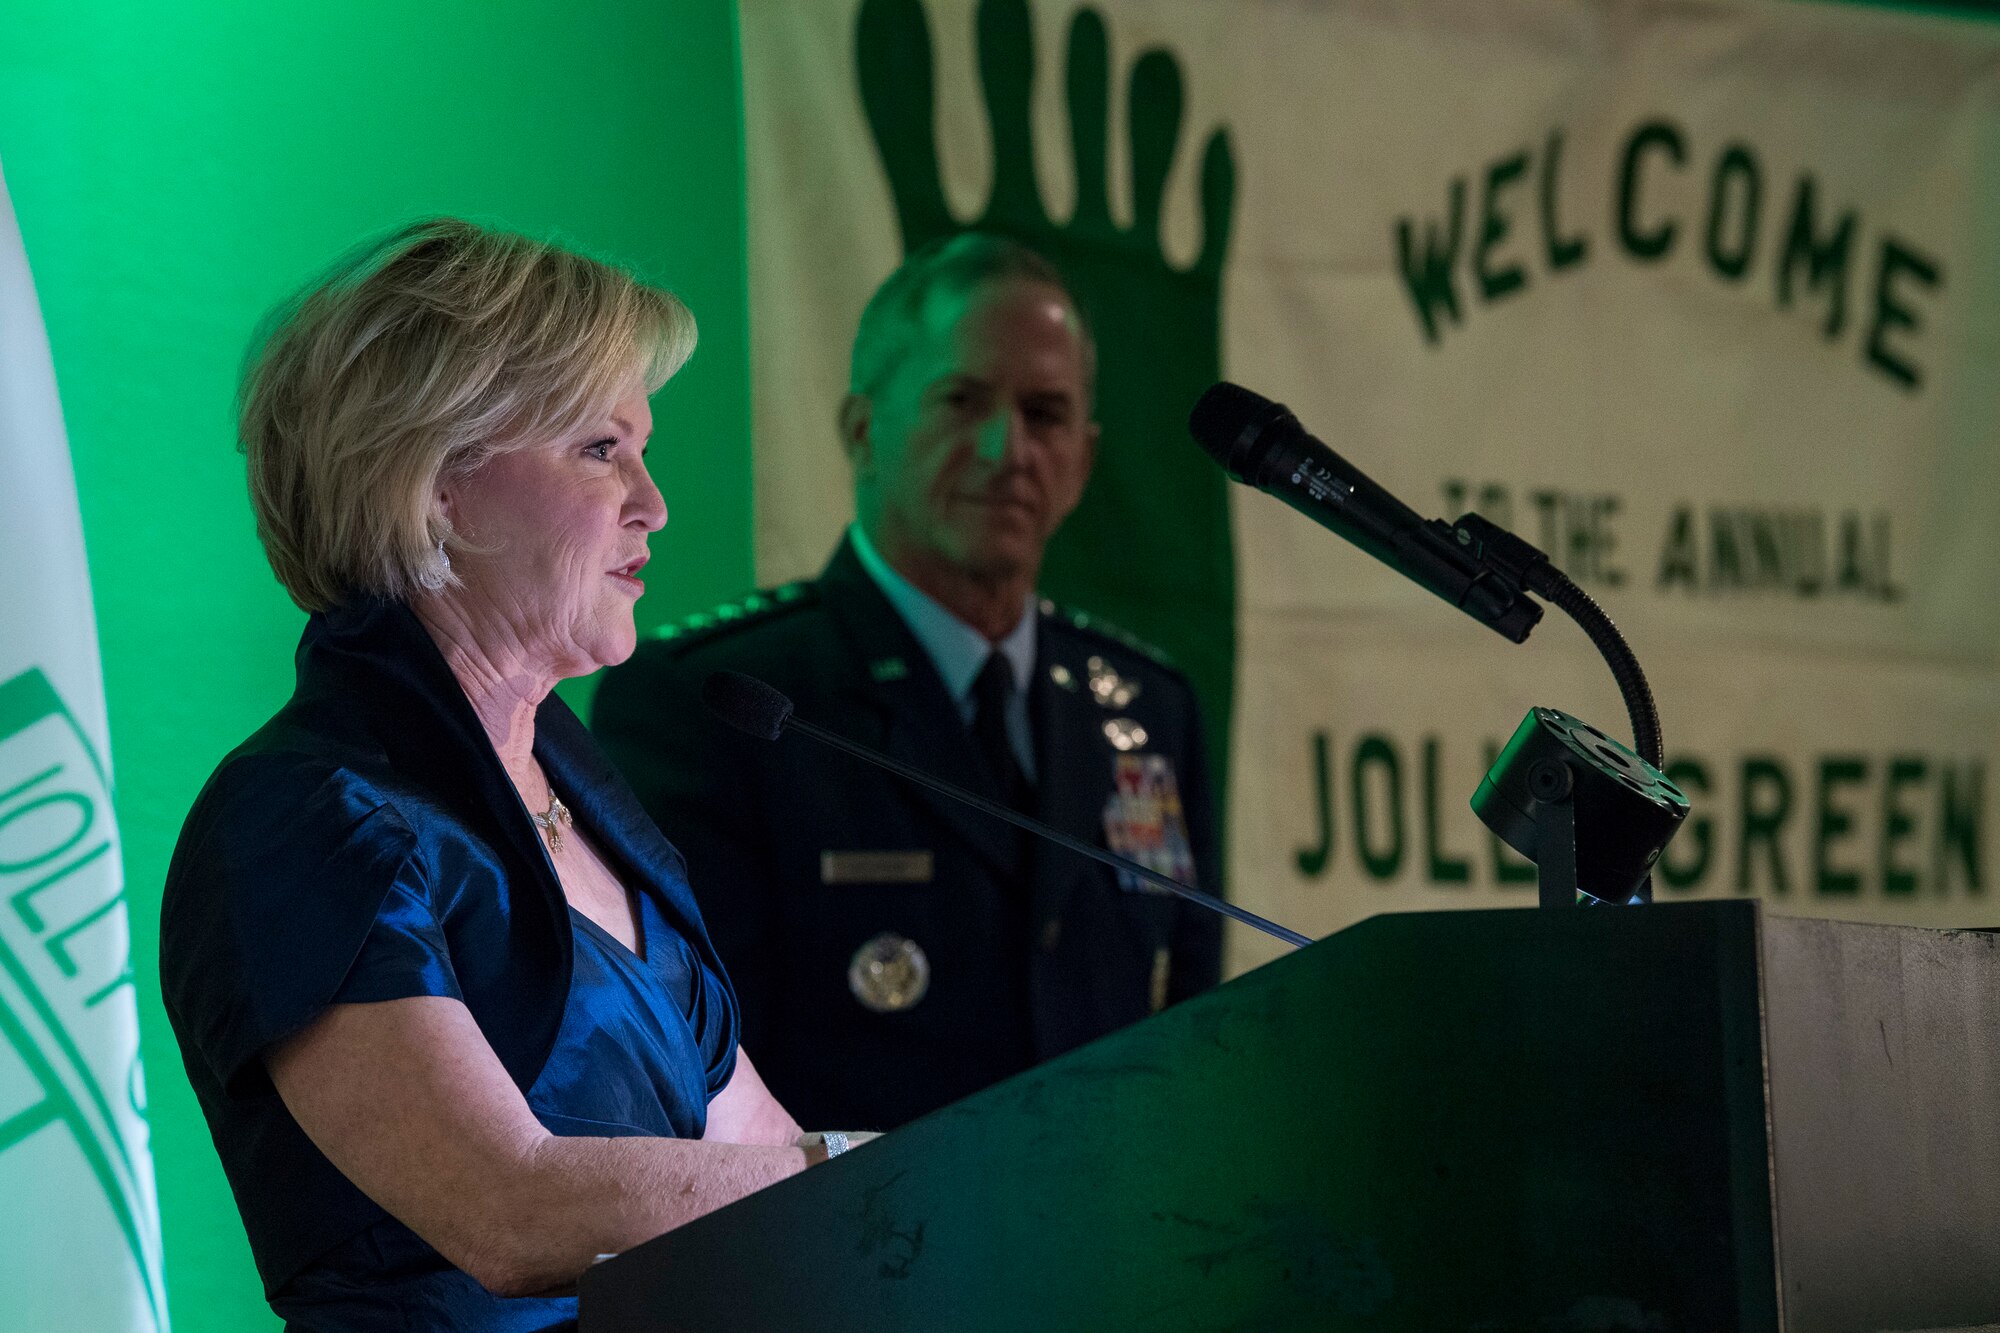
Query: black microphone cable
point(762, 710)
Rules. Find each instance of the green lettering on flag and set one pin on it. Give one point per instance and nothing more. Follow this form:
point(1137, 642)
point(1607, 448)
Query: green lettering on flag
point(1734, 196)
point(1562, 251)
point(1428, 268)
point(1766, 805)
point(58, 890)
point(1382, 861)
point(1641, 241)
point(1494, 225)
point(79, 1225)
point(1824, 258)
point(1901, 267)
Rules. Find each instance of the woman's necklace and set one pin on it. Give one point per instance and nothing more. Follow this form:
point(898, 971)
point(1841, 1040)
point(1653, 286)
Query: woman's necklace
point(553, 821)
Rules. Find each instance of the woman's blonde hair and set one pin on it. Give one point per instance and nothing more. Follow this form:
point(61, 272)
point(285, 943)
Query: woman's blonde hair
point(416, 358)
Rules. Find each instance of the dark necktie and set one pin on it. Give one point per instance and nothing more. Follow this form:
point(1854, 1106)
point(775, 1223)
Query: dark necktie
point(990, 695)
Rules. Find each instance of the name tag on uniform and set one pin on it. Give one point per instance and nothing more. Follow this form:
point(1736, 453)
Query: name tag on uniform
point(1143, 820)
point(913, 867)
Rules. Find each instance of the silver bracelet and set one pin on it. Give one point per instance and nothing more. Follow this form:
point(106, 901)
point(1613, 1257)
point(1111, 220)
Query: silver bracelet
point(836, 1143)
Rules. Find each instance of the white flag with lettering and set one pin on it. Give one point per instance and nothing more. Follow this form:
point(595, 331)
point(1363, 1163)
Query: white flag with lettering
point(79, 1223)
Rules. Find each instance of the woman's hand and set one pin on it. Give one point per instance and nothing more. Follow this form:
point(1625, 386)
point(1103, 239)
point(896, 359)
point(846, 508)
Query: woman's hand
point(409, 1101)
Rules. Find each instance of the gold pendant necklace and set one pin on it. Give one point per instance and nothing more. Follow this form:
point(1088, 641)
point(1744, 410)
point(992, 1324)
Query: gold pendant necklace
point(552, 821)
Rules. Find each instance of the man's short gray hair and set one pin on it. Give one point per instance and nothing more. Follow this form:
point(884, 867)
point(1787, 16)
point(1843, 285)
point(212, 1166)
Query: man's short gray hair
point(954, 265)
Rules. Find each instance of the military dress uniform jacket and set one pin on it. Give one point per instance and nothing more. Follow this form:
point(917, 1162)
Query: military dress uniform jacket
point(1000, 950)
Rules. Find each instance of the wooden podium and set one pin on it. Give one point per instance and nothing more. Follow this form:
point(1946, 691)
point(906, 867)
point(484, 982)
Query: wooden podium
point(1680, 1117)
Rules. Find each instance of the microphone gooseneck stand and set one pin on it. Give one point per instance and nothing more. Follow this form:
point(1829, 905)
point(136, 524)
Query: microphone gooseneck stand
point(1563, 593)
point(1592, 814)
point(1526, 567)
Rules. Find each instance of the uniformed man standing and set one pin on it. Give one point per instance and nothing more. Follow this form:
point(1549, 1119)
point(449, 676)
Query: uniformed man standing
point(892, 950)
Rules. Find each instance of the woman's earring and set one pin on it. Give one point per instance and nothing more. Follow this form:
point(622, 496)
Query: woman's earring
point(437, 572)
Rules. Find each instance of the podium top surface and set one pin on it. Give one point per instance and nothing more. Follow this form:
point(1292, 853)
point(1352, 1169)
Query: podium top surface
point(1488, 1120)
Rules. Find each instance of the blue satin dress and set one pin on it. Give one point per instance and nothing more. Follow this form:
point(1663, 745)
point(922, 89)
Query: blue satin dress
point(366, 845)
point(642, 1048)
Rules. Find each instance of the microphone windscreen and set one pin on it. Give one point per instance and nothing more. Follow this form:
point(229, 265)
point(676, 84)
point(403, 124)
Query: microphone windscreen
point(1225, 418)
point(746, 703)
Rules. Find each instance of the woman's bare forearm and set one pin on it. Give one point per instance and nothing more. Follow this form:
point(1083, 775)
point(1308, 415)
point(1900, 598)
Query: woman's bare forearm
point(576, 1198)
point(409, 1102)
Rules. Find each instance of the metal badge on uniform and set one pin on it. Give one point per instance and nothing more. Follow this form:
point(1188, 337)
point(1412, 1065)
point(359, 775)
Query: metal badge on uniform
point(889, 973)
point(1110, 689)
point(1125, 733)
point(912, 867)
point(1144, 822)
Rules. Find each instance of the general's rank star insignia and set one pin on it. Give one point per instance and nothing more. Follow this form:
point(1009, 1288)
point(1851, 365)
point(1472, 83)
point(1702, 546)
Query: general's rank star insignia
point(1110, 689)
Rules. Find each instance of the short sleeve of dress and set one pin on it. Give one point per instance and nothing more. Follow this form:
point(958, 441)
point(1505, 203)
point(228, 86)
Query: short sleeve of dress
point(286, 879)
point(404, 955)
point(712, 1015)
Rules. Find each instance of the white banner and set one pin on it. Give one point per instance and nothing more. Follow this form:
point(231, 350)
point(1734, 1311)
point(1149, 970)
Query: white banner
point(79, 1222)
point(1702, 300)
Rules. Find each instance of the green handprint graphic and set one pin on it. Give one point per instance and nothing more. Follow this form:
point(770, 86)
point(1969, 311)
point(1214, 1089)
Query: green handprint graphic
point(1150, 546)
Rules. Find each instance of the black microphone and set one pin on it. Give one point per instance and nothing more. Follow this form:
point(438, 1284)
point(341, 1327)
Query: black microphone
point(1478, 567)
point(750, 705)
point(747, 704)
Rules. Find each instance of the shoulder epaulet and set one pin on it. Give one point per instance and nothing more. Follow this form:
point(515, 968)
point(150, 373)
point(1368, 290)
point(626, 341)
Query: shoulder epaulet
point(758, 607)
point(1098, 625)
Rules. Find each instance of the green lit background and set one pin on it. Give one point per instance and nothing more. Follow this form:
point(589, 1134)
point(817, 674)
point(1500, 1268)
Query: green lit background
point(179, 168)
